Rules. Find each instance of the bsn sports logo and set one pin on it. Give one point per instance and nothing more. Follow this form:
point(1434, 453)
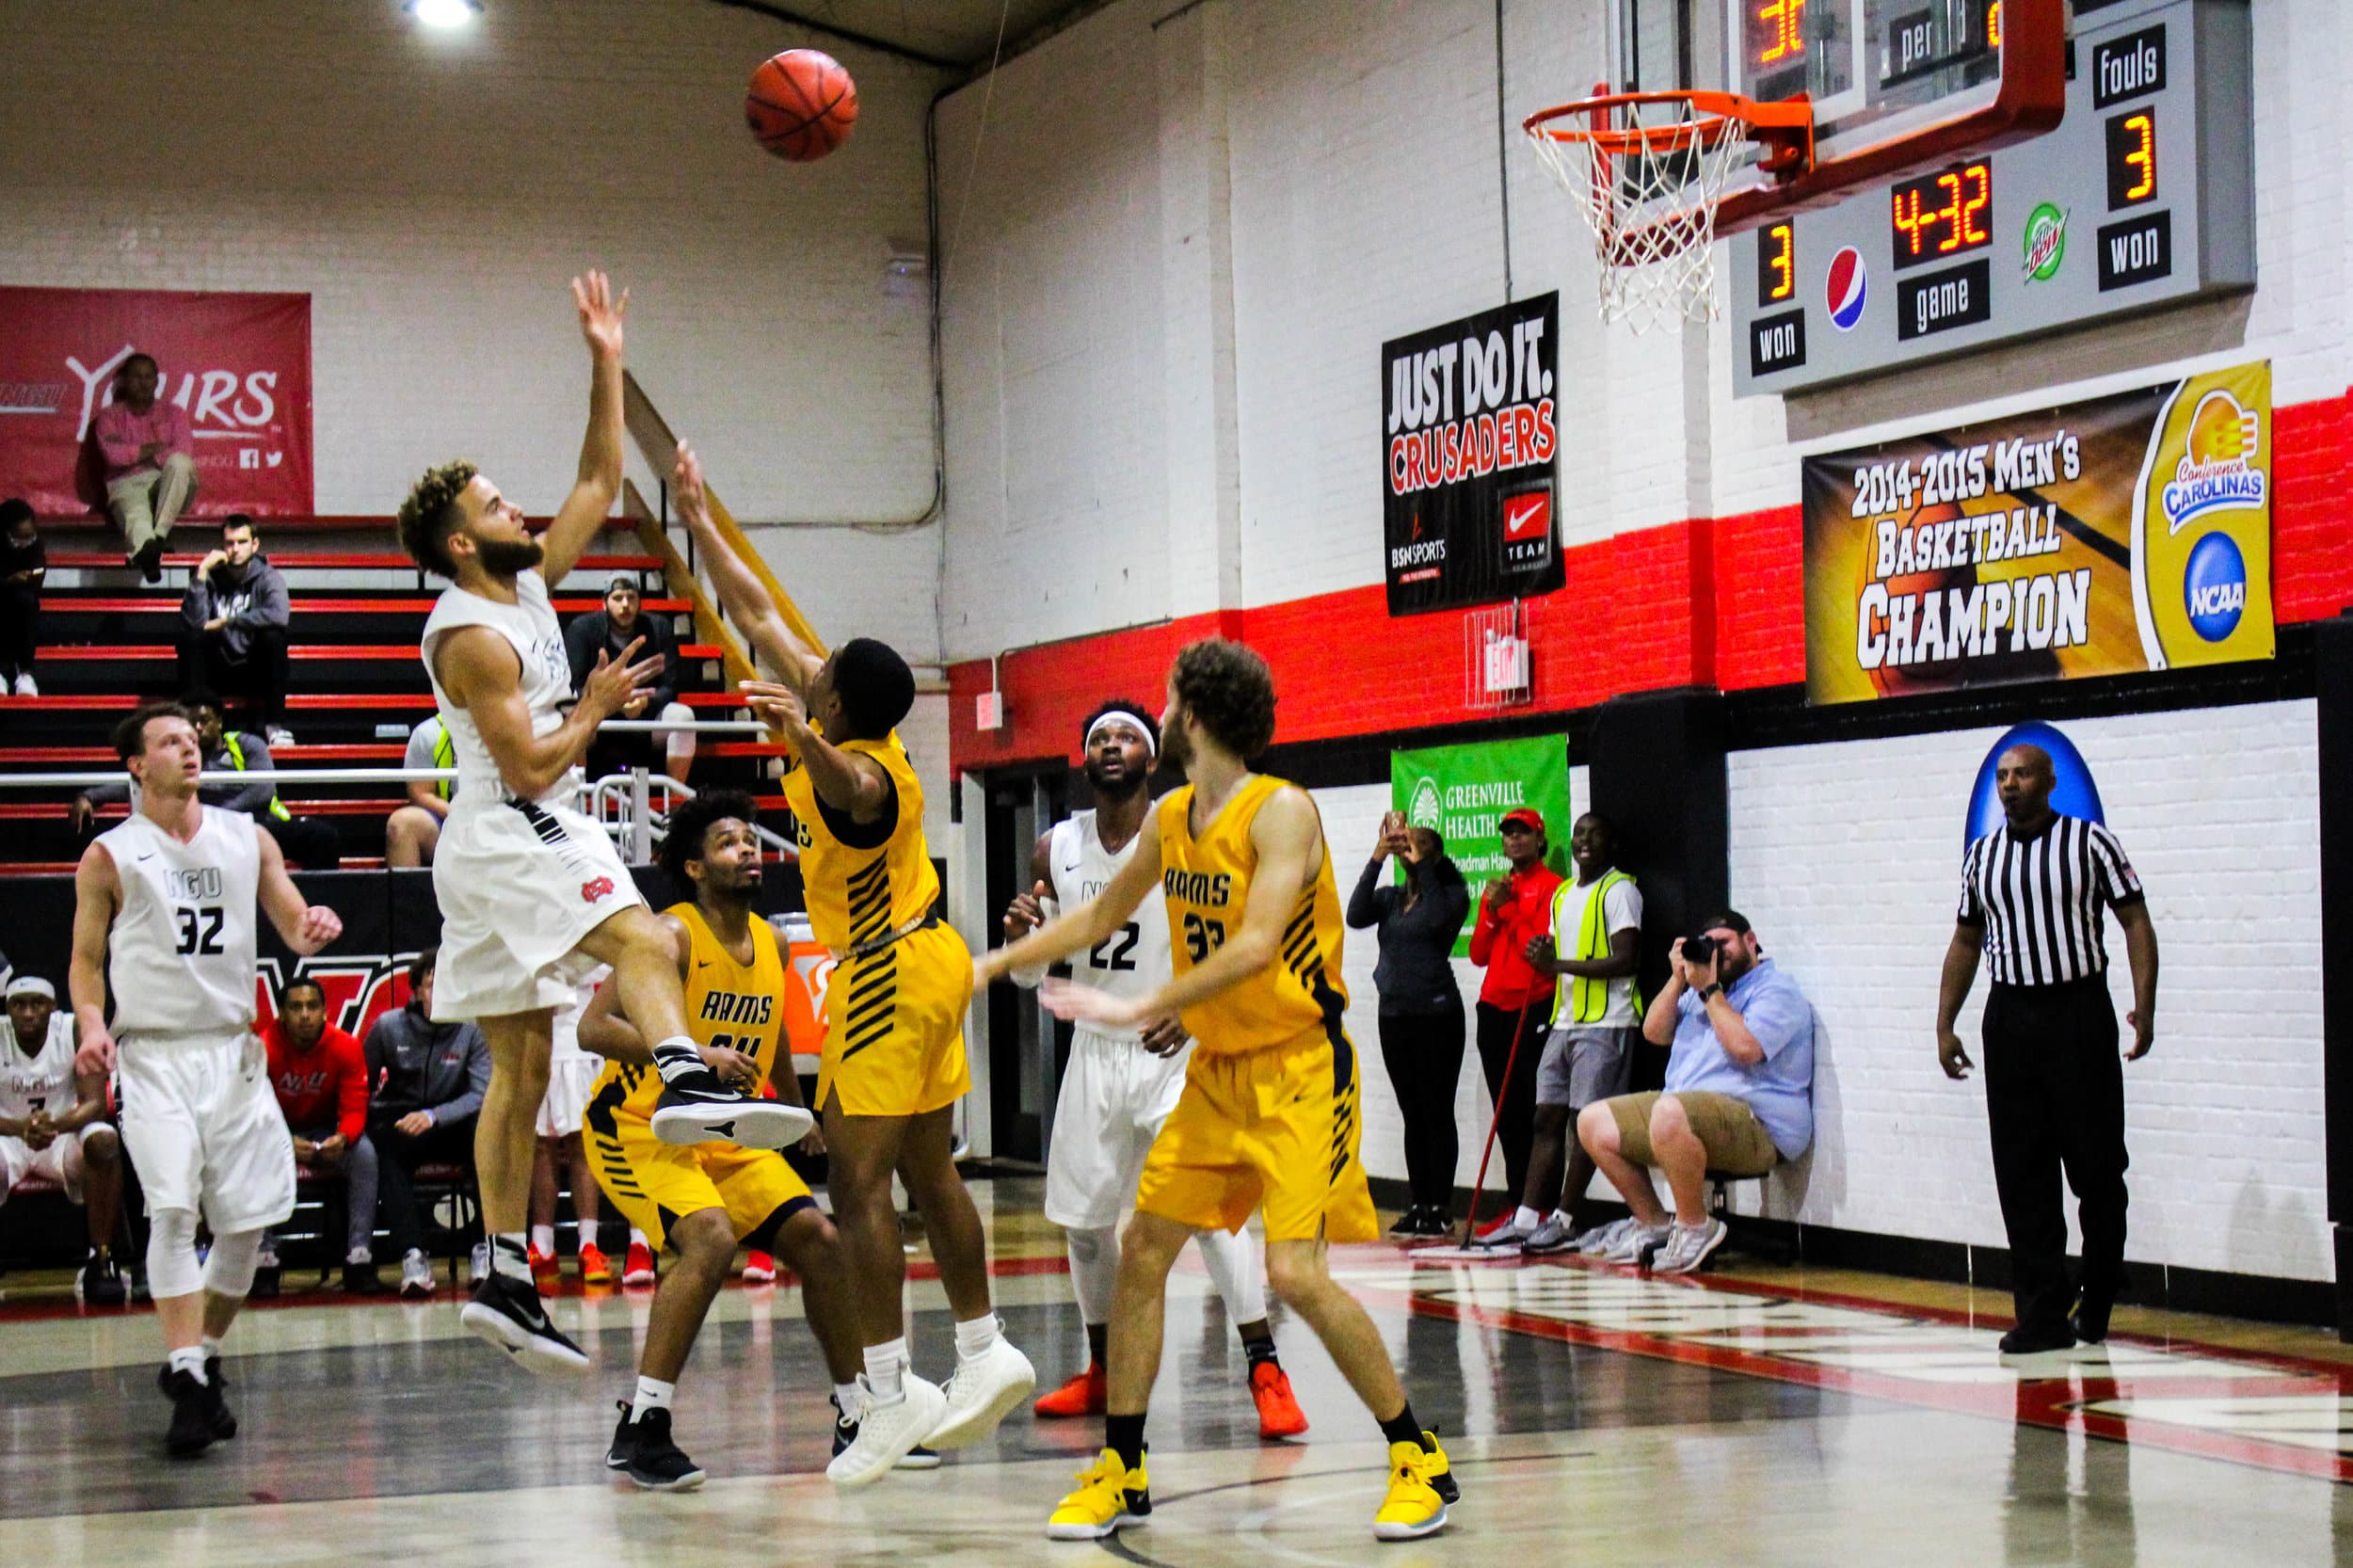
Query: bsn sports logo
point(2214, 586)
point(1849, 289)
point(596, 888)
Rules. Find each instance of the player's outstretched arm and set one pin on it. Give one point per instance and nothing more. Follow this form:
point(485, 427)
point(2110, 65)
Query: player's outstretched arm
point(741, 594)
point(848, 781)
point(97, 897)
point(304, 927)
point(598, 481)
point(1289, 835)
point(1091, 924)
point(478, 668)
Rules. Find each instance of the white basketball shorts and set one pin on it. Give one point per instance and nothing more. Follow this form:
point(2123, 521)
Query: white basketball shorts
point(519, 886)
point(567, 1101)
point(203, 1127)
point(61, 1162)
point(1114, 1097)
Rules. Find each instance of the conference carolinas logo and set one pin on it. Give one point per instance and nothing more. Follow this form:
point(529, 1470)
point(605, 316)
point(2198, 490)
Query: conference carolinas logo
point(2218, 471)
point(1847, 290)
point(2073, 791)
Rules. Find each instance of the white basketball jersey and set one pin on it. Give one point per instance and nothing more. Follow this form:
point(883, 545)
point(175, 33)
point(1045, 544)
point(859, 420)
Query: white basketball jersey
point(180, 954)
point(529, 625)
point(43, 1081)
point(1133, 963)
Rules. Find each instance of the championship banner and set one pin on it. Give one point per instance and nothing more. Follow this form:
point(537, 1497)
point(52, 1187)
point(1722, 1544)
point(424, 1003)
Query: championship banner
point(1468, 437)
point(239, 364)
point(1463, 791)
point(2123, 533)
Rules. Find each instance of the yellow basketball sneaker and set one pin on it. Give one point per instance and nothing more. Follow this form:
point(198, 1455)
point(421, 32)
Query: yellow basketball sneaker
point(1413, 1509)
point(1110, 1494)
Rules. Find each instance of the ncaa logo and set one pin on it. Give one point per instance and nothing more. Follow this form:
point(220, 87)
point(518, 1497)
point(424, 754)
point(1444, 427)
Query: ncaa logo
point(2214, 586)
point(1849, 289)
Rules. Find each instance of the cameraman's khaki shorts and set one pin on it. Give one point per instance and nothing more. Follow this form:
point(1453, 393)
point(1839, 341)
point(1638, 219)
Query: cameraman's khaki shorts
point(1736, 1141)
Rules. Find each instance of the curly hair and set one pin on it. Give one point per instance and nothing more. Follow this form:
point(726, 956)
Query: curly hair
point(1230, 690)
point(690, 827)
point(429, 515)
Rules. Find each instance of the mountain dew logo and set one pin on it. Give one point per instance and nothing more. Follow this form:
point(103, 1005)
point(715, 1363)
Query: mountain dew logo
point(2046, 243)
point(1428, 808)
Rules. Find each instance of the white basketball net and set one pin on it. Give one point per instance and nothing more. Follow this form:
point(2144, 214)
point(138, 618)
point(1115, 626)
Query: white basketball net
point(1650, 200)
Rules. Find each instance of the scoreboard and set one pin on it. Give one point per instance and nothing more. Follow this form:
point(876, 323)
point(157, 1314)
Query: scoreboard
point(2143, 197)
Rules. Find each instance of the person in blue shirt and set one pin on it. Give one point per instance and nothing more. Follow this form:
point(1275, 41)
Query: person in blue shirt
point(1740, 1096)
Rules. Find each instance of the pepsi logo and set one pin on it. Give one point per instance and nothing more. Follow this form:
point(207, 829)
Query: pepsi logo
point(2214, 586)
point(1849, 289)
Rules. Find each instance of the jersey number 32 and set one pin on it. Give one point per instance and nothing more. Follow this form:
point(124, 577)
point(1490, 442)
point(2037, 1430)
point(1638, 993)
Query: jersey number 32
point(200, 928)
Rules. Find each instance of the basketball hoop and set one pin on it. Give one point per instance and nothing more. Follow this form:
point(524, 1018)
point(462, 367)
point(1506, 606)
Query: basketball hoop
point(1646, 170)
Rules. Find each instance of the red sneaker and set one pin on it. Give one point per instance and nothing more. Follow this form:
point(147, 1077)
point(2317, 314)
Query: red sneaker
point(759, 1268)
point(1087, 1394)
point(545, 1269)
point(594, 1268)
point(1279, 1415)
point(637, 1268)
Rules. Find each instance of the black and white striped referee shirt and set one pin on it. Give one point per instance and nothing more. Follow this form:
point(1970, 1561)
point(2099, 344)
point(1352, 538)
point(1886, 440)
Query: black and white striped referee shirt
point(2041, 900)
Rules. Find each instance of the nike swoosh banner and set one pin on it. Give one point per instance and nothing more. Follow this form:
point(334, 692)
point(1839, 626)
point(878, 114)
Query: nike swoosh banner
point(1470, 443)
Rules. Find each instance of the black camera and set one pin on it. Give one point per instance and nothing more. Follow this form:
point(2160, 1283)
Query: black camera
point(1698, 951)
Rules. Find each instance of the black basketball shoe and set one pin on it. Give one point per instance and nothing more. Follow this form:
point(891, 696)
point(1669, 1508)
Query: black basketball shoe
point(644, 1449)
point(509, 1313)
point(216, 1391)
point(191, 1430)
point(696, 1107)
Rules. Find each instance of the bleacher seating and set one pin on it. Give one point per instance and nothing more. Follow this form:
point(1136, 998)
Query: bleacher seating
point(358, 686)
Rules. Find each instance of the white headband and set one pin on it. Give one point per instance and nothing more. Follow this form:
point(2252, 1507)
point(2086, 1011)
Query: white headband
point(1120, 715)
point(31, 985)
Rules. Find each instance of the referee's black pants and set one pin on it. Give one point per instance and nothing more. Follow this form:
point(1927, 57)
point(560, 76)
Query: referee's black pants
point(2055, 1099)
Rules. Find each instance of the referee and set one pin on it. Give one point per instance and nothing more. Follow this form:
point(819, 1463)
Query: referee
point(2032, 895)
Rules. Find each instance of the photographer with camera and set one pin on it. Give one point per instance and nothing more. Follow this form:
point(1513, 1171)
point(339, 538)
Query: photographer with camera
point(1740, 1096)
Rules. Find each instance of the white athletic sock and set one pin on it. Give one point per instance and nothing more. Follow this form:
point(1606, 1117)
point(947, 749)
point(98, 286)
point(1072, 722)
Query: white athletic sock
point(652, 1394)
point(543, 1238)
point(975, 1338)
point(851, 1401)
point(508, 1256)
point(638, 1239)
point(678, 1058)
point(1526, 1218)
point(210, 1346)
point(883, 1365)
point(189, 1359)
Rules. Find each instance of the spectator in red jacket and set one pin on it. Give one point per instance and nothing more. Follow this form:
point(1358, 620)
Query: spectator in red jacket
point(1514, 1002)
point(322, 1083)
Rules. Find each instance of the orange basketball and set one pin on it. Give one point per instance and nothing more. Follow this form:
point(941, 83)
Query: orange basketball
point(801, 104)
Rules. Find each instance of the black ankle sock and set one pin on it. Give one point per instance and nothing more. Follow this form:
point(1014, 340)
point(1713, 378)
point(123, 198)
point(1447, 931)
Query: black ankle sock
point(1098, 1344)
point(1261, 1351)
point(1124, 1436)
point(1401, 1427)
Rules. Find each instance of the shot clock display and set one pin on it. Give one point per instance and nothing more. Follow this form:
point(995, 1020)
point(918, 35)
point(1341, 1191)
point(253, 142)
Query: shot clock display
point(1942, 214)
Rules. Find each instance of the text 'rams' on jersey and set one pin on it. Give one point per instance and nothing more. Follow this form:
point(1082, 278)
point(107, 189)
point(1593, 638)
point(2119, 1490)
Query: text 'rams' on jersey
point(863, 880)
point(730, 1006)
point(180, 955)
point(1205, 883)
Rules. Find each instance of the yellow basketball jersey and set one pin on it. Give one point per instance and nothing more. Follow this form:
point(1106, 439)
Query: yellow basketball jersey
point(731, 1005)
point(863, 880)
point(1205, 880)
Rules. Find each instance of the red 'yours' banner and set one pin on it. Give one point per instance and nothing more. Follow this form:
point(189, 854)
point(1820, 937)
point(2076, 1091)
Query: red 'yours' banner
point(239, 364)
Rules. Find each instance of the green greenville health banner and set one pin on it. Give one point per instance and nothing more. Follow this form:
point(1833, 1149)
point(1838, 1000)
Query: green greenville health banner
point(1463, 791)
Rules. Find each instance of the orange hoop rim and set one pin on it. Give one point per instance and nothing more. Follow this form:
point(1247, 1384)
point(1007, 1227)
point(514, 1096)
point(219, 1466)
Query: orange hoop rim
point(1788, 121)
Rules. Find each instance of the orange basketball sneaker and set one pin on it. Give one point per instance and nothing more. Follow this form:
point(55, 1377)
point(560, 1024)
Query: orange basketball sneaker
point(545, 1269)
point(595, 1269)
point(1087, 1394)
point(637, 1264)
point(1279, 1415)
point(760, 1268)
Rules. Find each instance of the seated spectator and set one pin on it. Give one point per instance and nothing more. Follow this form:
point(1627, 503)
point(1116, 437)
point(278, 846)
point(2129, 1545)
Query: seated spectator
point(149, 454)
point(53, 1125)
point(412, 831)
point(609, 630)
point(428, 1080)
point(1740, 1096)
point(23, 563)
point(233, 627)
point(310, 842)
point(1421, 1007)
point(322, 1083)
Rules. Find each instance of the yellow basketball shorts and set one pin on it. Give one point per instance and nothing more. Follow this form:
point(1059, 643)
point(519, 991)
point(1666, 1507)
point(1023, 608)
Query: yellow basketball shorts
point(657, 1184)
point(894, 1027)
point(1276, 1130)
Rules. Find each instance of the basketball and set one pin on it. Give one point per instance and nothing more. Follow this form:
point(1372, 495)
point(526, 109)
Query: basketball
point(801, 104)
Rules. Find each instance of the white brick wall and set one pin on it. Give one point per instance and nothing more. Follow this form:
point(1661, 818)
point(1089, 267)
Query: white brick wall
point(432, 194)
point(1847, 857)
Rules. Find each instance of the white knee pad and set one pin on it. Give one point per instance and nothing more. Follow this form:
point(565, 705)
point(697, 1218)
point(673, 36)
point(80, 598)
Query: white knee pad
point(229, 1270)
point(1094, 1271)
point(1233, 1263)
point(679, 744)
point(171, 1266)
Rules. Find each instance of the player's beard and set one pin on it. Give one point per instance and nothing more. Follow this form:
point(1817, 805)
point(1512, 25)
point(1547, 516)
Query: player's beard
point(1126, 786)
point(1176, 746)
point(508, 557)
